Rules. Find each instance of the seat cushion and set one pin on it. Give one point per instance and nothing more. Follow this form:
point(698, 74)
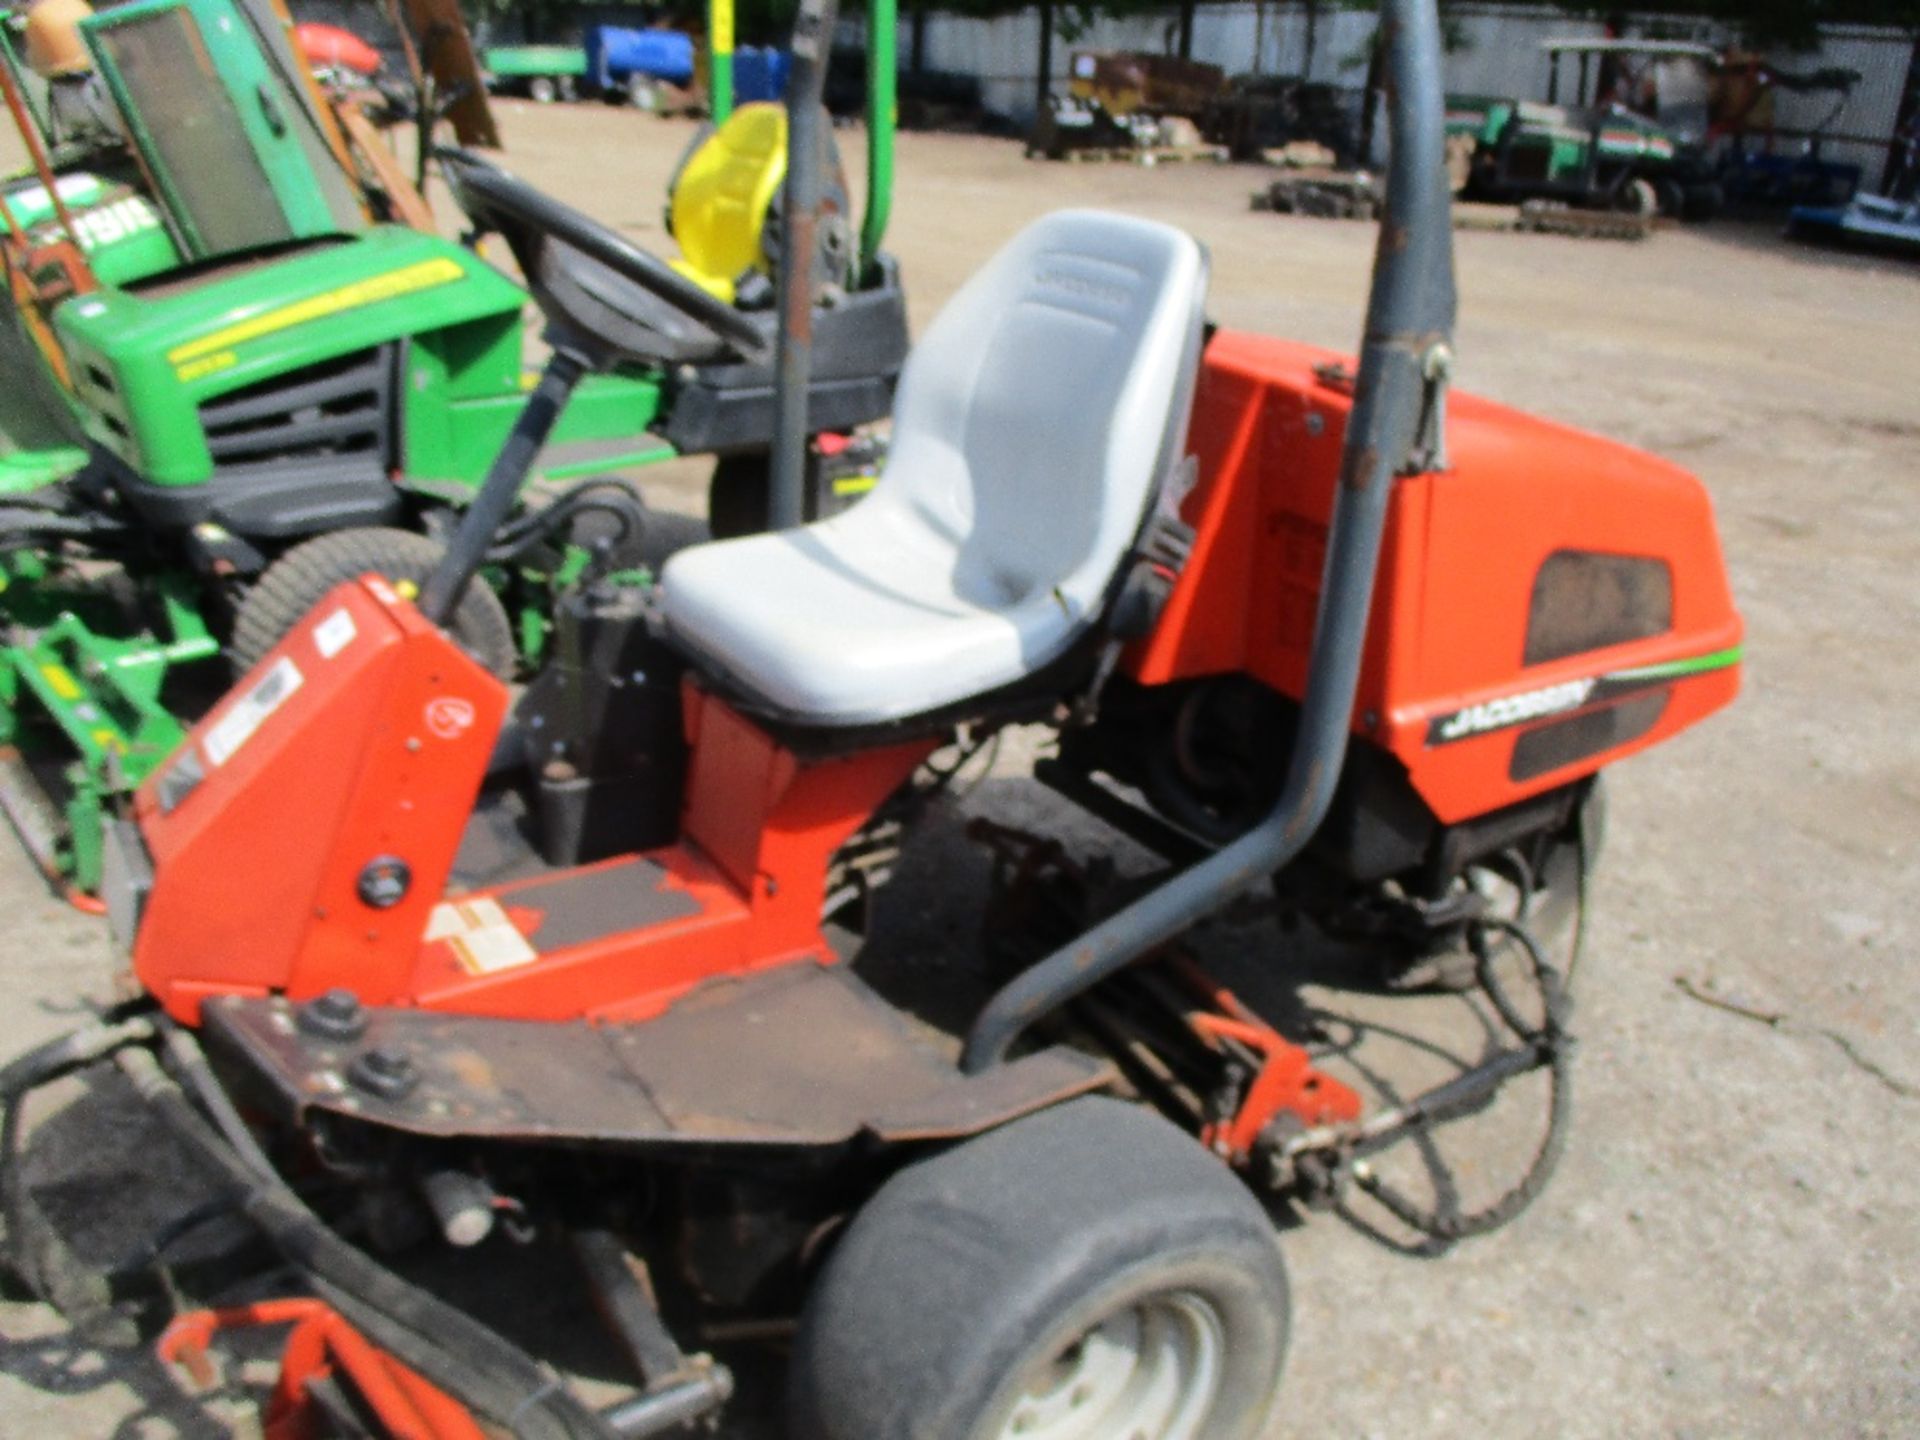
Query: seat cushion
point(855, 620)
point(1032, 423)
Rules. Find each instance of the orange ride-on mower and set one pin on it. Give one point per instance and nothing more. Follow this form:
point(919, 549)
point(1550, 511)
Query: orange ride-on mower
point(554, 964)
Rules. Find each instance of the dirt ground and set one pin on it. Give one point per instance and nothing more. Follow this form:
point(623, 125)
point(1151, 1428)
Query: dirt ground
point(1731, 1244)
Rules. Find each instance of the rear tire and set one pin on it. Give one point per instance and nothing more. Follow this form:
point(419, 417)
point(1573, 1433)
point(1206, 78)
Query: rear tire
point(542, 91)
point(301, 578)
point(1088, 1271)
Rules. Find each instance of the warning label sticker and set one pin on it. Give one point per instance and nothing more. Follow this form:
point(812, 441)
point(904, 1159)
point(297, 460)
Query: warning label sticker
point(334, 634)
point(251, 710)
point(480, 935)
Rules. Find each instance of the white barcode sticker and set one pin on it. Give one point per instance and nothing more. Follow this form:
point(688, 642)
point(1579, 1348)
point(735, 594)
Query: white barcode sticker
point(480, 935)
point(334, 634)
point(250, 711)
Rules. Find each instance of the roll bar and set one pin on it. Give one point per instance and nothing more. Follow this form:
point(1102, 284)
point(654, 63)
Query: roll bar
point(1395, 428)
point(799, 219)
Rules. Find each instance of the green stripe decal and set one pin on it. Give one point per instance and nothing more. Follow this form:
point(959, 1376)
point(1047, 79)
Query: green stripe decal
point(1505, 712)
point(1698, 664)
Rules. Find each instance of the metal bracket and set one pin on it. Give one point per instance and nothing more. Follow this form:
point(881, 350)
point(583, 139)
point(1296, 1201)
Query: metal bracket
point(1430, 442)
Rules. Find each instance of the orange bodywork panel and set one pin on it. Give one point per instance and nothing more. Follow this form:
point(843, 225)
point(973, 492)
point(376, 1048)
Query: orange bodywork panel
point(355, 740)
point(744, 885)
point(1445, 686)
point(304, 836)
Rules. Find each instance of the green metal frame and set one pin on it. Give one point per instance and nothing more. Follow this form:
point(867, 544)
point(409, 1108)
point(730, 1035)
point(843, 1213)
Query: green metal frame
point(271, 115)
point(101, 695)
point(719, 60)
point(883, 67)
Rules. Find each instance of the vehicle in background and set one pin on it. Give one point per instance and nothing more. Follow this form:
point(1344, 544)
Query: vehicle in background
point(1868, 222)
point(239, 353)
point(1601, 151)
point(1126, 100)
point(1756, 172)
point(541, 73)
point(614, 63)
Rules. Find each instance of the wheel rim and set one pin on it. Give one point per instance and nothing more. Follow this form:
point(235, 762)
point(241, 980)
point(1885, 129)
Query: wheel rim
point(1147, 1371)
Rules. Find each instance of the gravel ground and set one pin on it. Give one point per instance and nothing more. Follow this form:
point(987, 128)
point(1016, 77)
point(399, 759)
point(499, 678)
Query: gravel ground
point(1729, 1248)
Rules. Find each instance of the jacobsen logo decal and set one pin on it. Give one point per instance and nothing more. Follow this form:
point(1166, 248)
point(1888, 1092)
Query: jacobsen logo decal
point(1511, 710)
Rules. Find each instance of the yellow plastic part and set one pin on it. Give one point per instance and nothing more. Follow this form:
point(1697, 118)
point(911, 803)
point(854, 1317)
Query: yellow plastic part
point(53, 43)
point(722, 194)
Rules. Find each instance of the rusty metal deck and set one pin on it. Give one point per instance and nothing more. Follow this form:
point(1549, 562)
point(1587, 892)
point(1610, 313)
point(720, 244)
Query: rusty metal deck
point(806, 1055)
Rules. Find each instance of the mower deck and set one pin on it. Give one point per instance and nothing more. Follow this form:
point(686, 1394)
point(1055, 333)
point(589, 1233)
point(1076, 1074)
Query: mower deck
point(806, 1055)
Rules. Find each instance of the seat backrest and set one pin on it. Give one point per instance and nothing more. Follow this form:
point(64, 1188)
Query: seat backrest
point(722, 194)
point(1037, 413)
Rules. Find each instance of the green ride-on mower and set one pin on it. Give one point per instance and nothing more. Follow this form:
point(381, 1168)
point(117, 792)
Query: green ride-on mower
point(534, 994)
point(1598, 153)
point(242, 366)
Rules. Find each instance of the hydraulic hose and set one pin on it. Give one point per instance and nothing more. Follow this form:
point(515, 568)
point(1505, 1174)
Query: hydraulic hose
point(73, 1051)
point(1550, 1046)
point(1409, 319)
point(484, 1371)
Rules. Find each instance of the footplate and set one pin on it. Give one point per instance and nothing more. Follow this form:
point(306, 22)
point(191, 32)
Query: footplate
point(806, 1055)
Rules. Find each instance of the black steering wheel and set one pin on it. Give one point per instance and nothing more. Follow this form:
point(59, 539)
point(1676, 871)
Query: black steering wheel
point(490, 196)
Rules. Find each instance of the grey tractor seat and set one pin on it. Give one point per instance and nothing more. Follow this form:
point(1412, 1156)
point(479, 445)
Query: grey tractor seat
point(1032, 425)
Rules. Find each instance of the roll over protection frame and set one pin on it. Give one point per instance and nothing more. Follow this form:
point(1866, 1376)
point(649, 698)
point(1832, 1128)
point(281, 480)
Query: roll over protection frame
point(1394, 429)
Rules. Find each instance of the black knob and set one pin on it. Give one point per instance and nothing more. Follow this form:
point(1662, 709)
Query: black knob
point(384, 881)
point(385, 1074)
point(336, 1015)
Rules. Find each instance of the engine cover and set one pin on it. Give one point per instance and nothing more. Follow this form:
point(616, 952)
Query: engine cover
point(1550, 602)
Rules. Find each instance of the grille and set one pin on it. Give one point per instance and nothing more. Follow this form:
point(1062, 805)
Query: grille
point(334, 418)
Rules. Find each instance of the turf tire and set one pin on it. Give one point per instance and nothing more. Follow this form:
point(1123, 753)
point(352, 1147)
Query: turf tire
point(301, 578)
point(966, 1271)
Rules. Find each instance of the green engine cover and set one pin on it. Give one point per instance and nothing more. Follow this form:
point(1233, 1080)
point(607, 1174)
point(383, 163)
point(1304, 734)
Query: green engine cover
point(143, 363)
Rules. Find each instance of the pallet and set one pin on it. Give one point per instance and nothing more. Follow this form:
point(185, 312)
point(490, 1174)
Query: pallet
point(1548, 217)
point(1146, 156)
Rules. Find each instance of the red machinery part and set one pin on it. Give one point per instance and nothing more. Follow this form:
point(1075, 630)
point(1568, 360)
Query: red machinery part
point(329, 45)
point(1287, 1083)
point(321, 1349)
point(382, 728)
point(353, 740)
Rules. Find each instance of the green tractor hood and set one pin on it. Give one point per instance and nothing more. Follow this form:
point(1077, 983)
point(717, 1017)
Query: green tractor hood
point(146, 358)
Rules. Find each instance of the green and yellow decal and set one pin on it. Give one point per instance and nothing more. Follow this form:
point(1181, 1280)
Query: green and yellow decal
point(216, 351)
